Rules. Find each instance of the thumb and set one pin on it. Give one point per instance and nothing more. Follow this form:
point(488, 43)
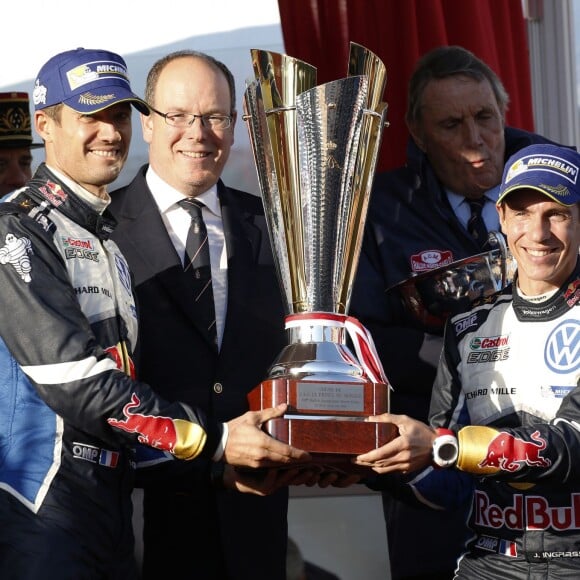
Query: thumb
point(273, 412)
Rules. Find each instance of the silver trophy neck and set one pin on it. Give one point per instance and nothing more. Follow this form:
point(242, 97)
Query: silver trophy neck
point(317, 352)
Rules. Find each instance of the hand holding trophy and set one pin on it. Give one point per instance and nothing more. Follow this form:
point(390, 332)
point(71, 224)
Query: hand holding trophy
point(316, 149)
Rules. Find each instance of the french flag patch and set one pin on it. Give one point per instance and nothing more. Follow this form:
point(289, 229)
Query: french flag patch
point(108, 458)
point(508, 548)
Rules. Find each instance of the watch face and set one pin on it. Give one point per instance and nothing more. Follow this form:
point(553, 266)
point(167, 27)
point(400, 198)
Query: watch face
point(447, 452)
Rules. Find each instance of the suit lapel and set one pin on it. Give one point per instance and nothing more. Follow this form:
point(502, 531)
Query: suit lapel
point(157, 261)
point(243, 239)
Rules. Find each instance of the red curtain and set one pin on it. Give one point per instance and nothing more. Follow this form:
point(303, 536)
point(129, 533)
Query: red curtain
point(399, 31)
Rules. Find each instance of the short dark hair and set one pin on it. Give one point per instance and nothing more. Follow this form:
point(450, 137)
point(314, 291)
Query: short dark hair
point(448, 61)
point(155, 71)
point(54, 112)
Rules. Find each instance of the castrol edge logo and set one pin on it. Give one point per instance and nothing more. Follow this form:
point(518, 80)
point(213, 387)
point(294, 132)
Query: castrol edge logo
point(488, 349)
point(485, 342)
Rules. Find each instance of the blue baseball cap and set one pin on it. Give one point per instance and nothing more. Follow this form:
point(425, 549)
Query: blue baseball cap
point(85, 80)
point(549, 169)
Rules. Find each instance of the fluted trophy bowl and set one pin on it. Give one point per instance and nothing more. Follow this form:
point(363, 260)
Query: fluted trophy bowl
point(315, 150)
point(432, 296)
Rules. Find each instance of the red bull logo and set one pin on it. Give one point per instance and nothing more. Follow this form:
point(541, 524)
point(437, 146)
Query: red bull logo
point(158, 432)
point(54, 193)
point(572, 287)
point(508, 453)
point(572, 292)
point(531, 512)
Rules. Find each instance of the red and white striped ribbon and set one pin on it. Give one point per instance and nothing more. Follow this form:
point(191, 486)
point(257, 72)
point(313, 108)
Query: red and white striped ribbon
point(365, 349)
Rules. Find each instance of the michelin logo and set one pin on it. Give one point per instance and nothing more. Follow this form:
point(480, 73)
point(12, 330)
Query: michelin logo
point(549, 163)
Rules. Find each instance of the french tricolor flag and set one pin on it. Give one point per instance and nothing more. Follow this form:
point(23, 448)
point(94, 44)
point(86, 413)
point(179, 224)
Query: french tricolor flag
point(109, 458)
point(508, 548)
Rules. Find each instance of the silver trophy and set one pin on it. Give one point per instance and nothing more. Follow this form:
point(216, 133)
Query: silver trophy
point(433, 296)
point(316, 149)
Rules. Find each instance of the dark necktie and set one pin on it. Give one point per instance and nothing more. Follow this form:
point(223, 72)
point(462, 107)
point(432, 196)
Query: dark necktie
point(197, 262)
point(476, 225)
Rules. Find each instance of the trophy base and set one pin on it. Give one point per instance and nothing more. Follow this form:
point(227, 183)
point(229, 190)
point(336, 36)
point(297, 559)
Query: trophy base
point(326, 418)
point(328, 437)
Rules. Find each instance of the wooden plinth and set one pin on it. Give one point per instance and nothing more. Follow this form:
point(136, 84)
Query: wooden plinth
point(326, 418)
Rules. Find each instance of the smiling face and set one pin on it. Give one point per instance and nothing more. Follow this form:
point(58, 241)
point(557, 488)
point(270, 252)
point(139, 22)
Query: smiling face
point(90, 149)
point(544, 238)
point(192, 158)
point(461, 130)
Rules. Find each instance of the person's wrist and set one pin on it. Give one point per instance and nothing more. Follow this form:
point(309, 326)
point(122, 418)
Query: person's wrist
point(221, 448)
point(445, 449)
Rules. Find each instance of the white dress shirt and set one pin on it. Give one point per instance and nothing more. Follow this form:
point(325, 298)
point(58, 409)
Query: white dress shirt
point(177, 222)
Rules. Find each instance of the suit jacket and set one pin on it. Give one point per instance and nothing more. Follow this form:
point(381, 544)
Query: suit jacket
point(176, 357)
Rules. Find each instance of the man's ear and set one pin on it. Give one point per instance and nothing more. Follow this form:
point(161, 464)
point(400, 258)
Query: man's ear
point(501, 211)
point(42, 124)
point(147, 126)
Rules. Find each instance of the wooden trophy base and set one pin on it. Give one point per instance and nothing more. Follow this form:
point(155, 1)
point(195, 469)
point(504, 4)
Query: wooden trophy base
point(326, 418)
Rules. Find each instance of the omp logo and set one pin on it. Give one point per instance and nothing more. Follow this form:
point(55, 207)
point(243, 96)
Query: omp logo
point(465, 323)
point(562, 351)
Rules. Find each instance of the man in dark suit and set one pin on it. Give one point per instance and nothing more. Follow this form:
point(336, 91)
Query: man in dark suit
point(227, 535)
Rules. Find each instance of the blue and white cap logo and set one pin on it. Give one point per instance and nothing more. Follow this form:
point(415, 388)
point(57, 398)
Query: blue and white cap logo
point(549, 169)
point(85, 80)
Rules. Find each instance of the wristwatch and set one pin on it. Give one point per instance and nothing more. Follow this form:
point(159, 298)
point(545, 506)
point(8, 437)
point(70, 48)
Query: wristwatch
point(445, 448)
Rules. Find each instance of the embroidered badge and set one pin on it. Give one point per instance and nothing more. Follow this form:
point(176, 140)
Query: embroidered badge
point(15, 253)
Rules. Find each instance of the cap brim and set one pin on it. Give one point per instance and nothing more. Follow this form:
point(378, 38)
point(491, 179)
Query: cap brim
point(95, 101)
point(541, 190)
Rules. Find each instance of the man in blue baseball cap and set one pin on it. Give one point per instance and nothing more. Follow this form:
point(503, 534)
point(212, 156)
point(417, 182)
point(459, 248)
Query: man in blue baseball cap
point(85, 80)
point(548, 169)
point(505, 409)
point(538, 206)
point(73, 415)
point(82, 107)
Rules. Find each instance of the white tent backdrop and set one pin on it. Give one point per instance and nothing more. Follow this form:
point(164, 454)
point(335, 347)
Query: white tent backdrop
point(226, 29)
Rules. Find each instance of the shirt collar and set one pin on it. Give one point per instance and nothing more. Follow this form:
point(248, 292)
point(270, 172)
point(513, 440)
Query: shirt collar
point(456, 199)
point(167, 197)
point(98, 204)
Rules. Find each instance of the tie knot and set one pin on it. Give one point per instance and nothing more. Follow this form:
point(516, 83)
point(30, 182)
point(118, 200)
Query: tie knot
point(476, 205)
point(192, 206)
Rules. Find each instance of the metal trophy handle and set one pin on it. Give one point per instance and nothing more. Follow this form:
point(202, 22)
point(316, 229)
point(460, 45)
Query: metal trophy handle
point(316, 149)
